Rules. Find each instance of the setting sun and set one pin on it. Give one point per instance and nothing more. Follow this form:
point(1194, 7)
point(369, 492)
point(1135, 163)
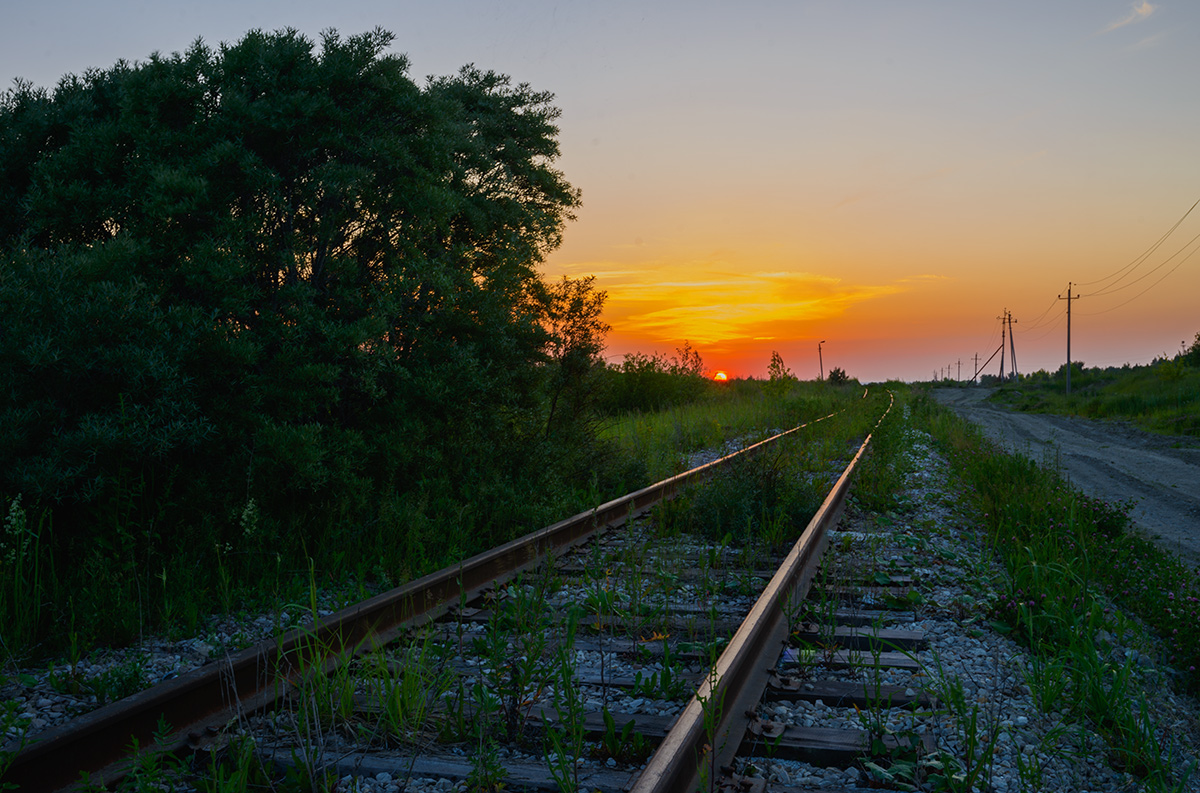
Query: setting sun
point(721, 376)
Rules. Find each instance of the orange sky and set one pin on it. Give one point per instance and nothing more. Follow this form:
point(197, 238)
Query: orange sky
point(759, 176)
point(890, 178)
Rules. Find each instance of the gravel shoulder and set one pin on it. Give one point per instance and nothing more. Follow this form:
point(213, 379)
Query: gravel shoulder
point(1109, 460)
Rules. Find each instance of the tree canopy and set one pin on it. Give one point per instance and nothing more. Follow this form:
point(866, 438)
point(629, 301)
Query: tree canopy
point(279, 270)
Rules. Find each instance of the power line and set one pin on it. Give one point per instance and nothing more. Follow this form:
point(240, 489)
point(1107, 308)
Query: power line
point(1147, 289)
point(1057, 324)
point(1133, 264)
point(1114, 289)
point(1037, 320)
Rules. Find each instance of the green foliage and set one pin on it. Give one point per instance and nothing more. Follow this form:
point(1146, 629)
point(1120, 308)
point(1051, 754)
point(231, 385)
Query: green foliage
point(838, 376)
point(625, 743)
point(154, 767)
point(22, 583)
point(753, 498)
point(14, 726)
point(645, 383)
point(882, 473)
point(1068, 558)
point(283, 273)
point(1162, 397)
point(735, 411)
point(770, 496)
point(565, 738)
point(572, 316)
point(1191, 355)
point(779, 377)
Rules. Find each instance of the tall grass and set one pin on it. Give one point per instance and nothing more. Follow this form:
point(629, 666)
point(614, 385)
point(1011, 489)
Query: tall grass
point(770, 497)
point(738, 411)
point(1162, 398)
point(22, 578)
point(1075, 568)
point(129, 583)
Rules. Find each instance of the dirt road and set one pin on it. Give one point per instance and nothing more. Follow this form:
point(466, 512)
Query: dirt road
point(1109, 460)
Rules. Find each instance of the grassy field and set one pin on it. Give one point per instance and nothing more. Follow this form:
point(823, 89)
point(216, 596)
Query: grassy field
point(744, 411)
point(118, 596)
point(1163, 397)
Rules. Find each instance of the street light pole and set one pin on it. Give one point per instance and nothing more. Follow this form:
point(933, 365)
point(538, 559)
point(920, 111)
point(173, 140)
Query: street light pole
point(820, 360)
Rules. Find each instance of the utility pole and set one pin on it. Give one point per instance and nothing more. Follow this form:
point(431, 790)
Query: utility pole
point(1002, 329)
point(1012, 347)
point(975, 376)
point(821, 360)
point(960, 370)
point(1068, 298)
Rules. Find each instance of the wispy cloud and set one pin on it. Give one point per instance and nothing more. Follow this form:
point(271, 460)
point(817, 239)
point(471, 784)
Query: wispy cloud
point(1140, 11)
point(711, 304)
point(1150, 41)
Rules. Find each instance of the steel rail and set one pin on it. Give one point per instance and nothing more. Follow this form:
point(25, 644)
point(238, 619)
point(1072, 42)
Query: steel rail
point(200, 702)
point(706, 737)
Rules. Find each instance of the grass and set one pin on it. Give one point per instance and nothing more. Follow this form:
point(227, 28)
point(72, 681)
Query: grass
point(736, 411)
point(1079, 580)
point(1163, 397)
point(126, 586)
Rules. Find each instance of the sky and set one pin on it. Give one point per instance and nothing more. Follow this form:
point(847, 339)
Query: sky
point(881, 179)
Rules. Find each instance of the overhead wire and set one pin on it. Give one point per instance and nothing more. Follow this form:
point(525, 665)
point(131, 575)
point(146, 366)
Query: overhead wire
point(1036, 323)
point(1114, 289)
point(1120, 274)
point(1058, 323)
point(994, 334)
point(1137, 261)
point(1147, 289)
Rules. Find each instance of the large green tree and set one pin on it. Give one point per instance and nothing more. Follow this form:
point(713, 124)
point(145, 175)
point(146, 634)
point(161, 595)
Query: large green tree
point(273, 269)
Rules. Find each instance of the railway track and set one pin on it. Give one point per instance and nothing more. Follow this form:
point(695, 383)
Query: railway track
point(663, 654)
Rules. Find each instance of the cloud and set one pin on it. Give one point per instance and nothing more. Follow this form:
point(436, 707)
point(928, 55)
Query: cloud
point(1150, 41)
point(710, 305)
point(1140, 11)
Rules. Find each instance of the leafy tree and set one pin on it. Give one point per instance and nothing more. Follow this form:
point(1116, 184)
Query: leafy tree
point(687, 361)
point(779, 377)
point(280, 271)
point(1192, 354)
point(838, 376)
point(776, 370)
point(576, 340)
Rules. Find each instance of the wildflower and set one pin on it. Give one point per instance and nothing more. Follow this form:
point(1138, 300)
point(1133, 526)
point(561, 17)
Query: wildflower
point(16, 535)
point(249, 518)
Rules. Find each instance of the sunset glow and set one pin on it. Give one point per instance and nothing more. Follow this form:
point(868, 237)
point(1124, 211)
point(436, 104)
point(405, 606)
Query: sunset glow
point(720, 377)
point(884, 177)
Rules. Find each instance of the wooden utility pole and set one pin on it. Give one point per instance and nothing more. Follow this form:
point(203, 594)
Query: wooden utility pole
point(1012, 343)
point(1002, 329)
point(975, 376)
point(1068, 298)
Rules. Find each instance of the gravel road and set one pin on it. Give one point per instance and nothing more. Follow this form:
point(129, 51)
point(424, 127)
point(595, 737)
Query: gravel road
point(1109, 460)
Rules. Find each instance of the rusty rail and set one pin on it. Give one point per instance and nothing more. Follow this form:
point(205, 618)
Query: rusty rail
point(200, 702)
point(710, 729)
